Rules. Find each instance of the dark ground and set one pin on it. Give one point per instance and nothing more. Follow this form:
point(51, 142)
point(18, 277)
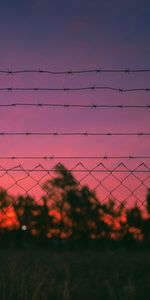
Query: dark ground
point(89, 275)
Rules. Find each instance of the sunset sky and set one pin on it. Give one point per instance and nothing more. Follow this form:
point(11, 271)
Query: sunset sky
point(72, 35)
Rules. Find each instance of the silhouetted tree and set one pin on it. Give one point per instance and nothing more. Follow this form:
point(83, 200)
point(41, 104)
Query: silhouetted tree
point(44, 221)
point(77, 208)
point(5, 224)
point(57, 189)
point(134, 223)
point(146, 221)
point(5, 199)
point(115, 217)
point(148, 201)
point(83, 213)
point(25, 208)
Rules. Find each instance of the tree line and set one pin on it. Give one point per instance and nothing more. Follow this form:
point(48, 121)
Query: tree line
point(72, 214)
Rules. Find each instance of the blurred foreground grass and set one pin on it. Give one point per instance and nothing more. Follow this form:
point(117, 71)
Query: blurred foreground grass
point(45, 275)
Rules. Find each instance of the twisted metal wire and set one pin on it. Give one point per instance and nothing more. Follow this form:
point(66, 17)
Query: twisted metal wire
point(76, 72)
point(67, 89)
point(67, 105)
point(87, 134)
point(55, 157)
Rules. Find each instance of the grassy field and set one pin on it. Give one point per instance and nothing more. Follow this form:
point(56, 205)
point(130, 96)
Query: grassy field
point(43, 275)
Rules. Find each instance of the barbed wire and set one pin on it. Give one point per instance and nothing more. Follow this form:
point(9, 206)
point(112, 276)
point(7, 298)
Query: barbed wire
point(71, 72)
point(67, 89)
point(53, 157)
point(74, 133)
point(57, 105)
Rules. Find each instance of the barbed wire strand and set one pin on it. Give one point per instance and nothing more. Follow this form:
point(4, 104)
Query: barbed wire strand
point(71, 72)
point(53, 157)
point(67, 89)
point(57, 105)
point(75, 134)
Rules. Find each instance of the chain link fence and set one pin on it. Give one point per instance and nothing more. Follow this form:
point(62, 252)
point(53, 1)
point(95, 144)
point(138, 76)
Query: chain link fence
point(104, 201)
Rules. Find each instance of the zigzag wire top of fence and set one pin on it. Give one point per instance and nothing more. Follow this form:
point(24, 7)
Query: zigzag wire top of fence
point(69, 89)
point(58, 105)
point(76, 72)
point(80, 167)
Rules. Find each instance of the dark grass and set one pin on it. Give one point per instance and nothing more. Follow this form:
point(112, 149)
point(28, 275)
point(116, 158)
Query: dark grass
point(89, 275)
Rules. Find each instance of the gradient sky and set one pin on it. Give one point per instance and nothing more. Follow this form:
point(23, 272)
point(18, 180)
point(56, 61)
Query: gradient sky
point(65, 35)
